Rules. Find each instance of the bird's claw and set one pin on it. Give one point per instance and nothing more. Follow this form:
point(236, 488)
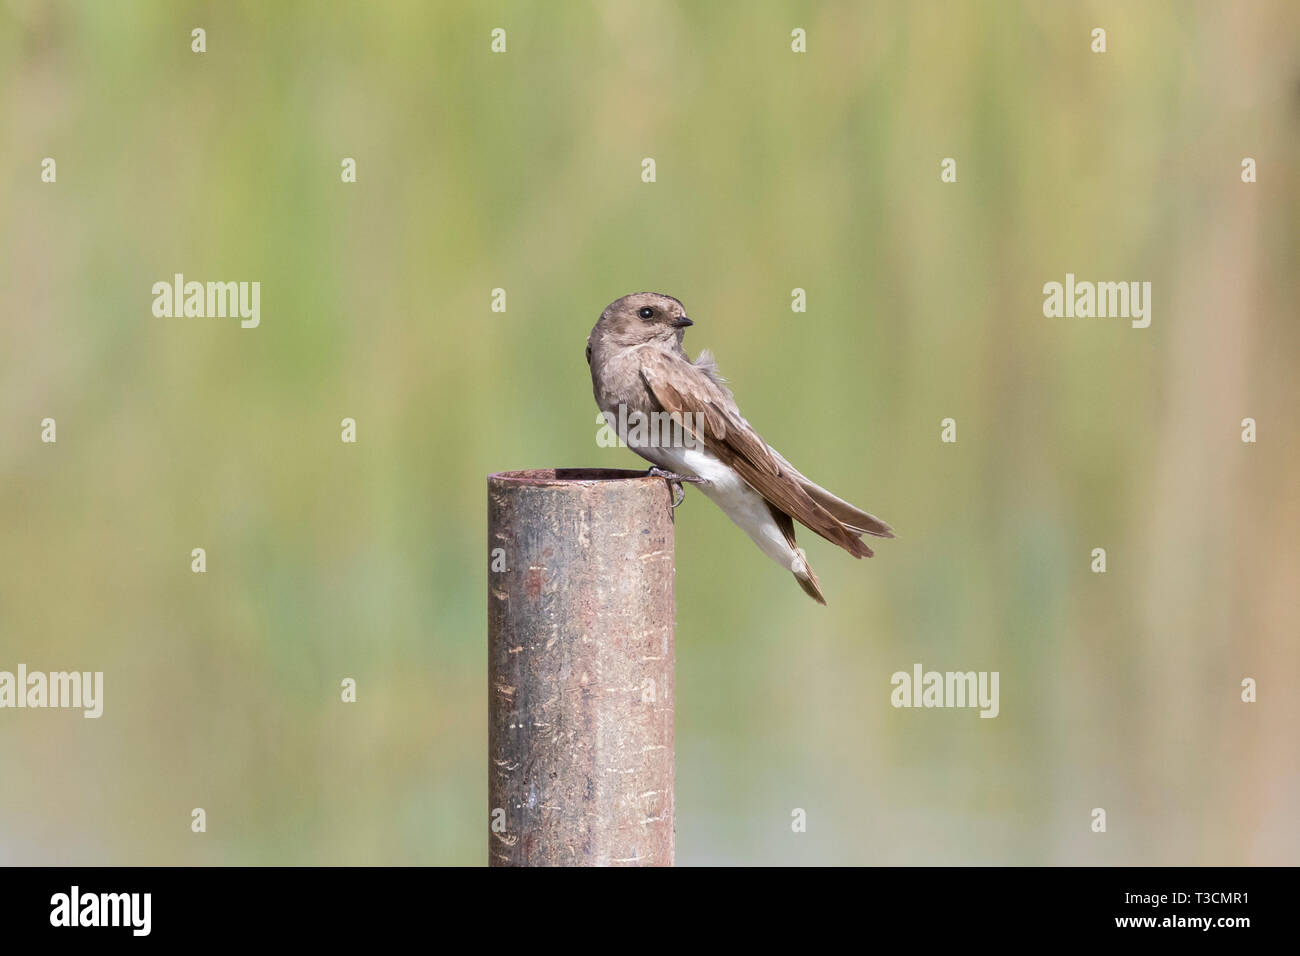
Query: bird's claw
point(679, 494)
point(675, 482)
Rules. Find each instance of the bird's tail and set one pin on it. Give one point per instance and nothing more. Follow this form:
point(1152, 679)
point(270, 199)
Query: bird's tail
point(855, 519)
point(803, 573)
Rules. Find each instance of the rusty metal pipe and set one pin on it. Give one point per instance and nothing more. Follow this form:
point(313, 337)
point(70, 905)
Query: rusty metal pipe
point(580, 669)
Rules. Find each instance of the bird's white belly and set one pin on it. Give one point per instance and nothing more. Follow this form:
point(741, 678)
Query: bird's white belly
point(725, 488)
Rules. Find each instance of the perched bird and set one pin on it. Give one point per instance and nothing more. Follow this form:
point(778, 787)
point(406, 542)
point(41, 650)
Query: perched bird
point(640, 373)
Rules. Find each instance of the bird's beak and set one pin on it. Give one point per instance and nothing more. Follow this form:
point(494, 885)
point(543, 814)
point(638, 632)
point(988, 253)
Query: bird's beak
point(681, 322)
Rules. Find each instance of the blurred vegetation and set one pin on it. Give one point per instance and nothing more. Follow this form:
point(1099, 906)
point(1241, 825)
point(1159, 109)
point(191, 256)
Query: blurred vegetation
point(775, 171)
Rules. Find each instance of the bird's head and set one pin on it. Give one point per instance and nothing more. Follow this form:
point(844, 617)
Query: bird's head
point(644, 317)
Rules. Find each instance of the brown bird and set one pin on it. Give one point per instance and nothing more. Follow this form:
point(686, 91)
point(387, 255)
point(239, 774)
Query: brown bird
point(679, 415)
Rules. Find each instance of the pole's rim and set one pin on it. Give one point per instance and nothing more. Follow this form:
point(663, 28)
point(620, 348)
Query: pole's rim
point(567, 476)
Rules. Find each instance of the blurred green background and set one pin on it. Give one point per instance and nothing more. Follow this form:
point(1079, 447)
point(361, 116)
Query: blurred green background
point(775, 171)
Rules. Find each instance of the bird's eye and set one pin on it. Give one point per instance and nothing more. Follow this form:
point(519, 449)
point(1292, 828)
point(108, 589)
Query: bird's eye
point(645, 312)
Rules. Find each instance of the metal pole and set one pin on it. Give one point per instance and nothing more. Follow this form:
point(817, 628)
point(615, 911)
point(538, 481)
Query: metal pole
point(580, 669)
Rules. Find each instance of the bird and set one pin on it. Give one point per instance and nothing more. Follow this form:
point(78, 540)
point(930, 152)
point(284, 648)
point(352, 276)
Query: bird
point(640, 373)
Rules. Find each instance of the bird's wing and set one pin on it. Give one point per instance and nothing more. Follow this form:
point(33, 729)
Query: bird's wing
point(682, 389)
point(853, 518)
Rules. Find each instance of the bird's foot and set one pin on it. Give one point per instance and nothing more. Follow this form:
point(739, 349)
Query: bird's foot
point(674, 482)
point(656, 472)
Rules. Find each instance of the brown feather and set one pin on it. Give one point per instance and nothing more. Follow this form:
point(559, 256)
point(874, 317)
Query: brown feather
point(811, 587)
point(848, 515)
point(807, 580)
point(852, 518)
point(784, 522)
point(680, 388)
